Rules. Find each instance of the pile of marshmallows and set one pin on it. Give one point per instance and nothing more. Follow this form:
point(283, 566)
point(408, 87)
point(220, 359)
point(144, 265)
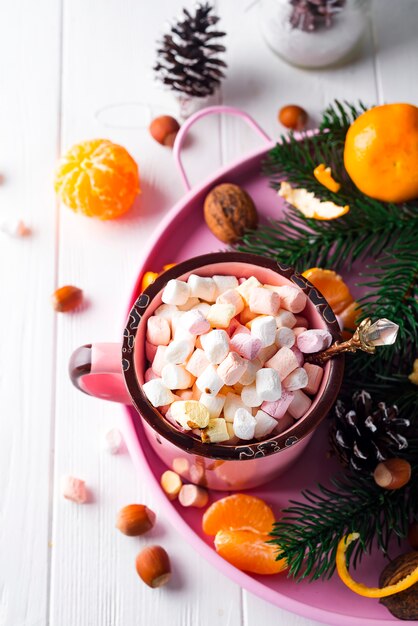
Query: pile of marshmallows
point(226, 358)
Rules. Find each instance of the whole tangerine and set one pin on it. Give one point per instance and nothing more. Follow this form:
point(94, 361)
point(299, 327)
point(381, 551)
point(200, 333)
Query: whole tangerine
point(97, 178)
point(381, 152)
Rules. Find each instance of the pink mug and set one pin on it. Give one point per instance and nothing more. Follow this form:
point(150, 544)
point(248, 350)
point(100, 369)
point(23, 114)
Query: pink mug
point(115, 372)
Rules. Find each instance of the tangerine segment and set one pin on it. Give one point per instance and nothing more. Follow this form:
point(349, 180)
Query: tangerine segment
point(381, 152)
point(348, 319)
point(97, 178)
point(248, 551)
point(360, 588)
point(238, 512)
point(332, 287)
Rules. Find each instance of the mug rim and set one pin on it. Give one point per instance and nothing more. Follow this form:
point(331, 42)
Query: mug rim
point(301, 429)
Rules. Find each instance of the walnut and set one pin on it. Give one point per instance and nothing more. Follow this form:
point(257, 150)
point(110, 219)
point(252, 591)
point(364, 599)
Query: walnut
point(229, 212)
point(403, 605)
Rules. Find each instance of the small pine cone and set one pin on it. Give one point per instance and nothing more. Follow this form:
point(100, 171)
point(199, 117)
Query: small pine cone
point(362, 435)
point(188, 55)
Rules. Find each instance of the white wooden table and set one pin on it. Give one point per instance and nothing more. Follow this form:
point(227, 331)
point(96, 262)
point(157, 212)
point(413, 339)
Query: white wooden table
point(72, 70)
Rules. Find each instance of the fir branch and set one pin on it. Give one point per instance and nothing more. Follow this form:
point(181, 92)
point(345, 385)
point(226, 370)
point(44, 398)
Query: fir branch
point(309, 531)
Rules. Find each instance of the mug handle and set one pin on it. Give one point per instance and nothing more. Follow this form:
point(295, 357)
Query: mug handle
point(96, 369)
point(213, 110)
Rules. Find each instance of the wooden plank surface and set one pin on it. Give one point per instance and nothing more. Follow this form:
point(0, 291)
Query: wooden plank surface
point(74, 70)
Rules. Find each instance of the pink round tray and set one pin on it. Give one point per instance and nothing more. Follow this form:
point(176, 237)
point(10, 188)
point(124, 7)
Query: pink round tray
point(181, 235)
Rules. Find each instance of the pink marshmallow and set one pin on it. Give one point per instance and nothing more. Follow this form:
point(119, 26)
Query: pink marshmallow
point(150, 351)
point(159, 360)
point(284, 424)
point(158, 331)
point(74, 489)
point(314, 340)
point(241, 329)
point(278, 408)
point(197, 363)
point(298, 379)
point(263, 301)
point(299, 355)
point(315, 374)
point(195, 322)
point(150, 375)
point(298, 330)
point(299, 405)
point(284, 362)
point(232, 368)
point(266, 353)
point(233, 326)
point(231, 296)
point(301, 321)
point(246, 345)
point(291, 298)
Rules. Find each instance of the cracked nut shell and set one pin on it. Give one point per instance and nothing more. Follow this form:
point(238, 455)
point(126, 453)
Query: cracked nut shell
point(403, 605)
point(229, 212)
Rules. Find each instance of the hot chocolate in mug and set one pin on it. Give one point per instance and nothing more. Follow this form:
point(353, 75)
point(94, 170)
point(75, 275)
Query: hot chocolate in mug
point(116, 372)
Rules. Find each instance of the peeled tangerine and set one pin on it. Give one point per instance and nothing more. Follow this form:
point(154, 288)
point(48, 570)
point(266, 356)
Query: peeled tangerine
point(97, 178)
point(241, 524)
point(309, 205)
point(361, 589)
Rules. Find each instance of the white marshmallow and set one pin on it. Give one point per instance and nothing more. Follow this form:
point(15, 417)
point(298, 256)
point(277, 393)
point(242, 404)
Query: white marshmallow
point(178, 351)
point(167, 311)
point(194, 322)
point(251, 370)
point(191, 302)
point(202, 287)
point(223, 283)
point(265, 424)
point(220, 315)
point(298, 379)
point(182, 333)
point(175, 292)
point(250, 397)
point(285, 318)
point(209, 382)
point(190, 414)
point(246, 288)
point(158, 393)
point(244, 424)
point(268, 384)
point(216, 345)
point(233, 402)
point(176, 376)
point(264, 328)
point(216, 431)
point(285, 337)
point(113, 441)
point(214, 404)
point(204, 307)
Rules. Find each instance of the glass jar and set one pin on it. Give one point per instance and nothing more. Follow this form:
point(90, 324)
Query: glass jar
point(314, 33)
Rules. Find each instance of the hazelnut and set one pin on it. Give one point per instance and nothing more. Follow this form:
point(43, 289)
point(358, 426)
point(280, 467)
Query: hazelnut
point(153, 566)
point(229, 212)
point(164, 130)
point(67, 298)
point(293, 116)
point(135, 519)
point(403, 605)
point(392, 473)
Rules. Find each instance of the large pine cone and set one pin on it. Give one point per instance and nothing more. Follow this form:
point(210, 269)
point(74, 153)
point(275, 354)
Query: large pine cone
point(363, 435)
point(188, 57)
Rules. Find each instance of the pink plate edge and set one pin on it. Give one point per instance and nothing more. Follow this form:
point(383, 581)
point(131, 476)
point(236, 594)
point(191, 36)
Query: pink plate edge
point(139, 459)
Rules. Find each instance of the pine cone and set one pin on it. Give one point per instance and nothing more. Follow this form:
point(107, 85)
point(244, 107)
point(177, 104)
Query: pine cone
point(308, 15)
point(362, 435)
point(188, 57)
